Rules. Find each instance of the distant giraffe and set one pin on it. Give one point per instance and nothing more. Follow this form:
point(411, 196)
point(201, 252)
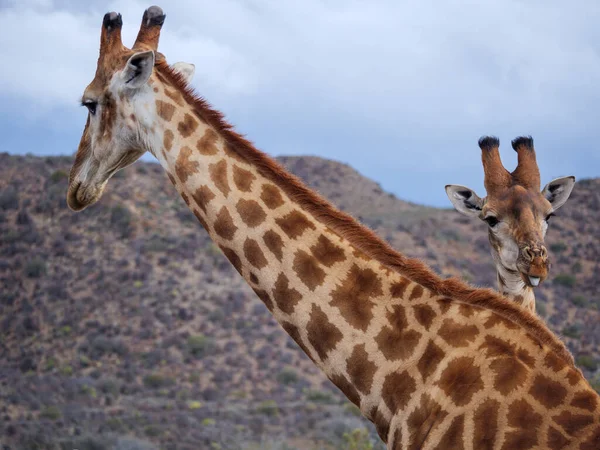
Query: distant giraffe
point(434, 364)
point(517, 214)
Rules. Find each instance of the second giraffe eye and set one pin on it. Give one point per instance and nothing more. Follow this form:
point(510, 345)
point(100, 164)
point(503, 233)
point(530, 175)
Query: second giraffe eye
point(491, 221)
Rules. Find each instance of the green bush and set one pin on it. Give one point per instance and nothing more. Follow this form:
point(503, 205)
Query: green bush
point(156, 381)
point(50, 413)
point(200, 345)
point(558, 247)
point(587, 362)
point(58, 176)
point(287, 376)
point(571, 331)
point(358, 439)
point(580, 301)
point(35, 267)
point(565, 279)
point(319, 396)
point(268, 408)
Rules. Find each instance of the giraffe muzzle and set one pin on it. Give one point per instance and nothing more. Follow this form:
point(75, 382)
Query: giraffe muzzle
point(533, 264)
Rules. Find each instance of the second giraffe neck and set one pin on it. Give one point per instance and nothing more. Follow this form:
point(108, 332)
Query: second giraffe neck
point(511, 285)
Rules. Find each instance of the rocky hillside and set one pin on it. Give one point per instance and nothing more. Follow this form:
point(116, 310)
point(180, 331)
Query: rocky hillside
point(124, 326)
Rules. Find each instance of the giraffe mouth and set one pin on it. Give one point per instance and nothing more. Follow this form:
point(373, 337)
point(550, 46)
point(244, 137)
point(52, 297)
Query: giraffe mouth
point(80, 197)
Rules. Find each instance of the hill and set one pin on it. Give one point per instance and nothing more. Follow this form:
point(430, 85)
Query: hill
point(125, 327)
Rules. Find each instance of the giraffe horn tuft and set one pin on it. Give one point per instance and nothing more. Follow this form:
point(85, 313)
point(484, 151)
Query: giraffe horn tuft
point(110, 38)
point(527, 173)
point(149, 34)
point(496, 176)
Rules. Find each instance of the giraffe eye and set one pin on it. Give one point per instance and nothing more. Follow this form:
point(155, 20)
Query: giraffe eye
point(491, 221)
point(91, 106)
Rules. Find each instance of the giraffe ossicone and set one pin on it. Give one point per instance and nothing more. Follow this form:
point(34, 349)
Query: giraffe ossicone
point(517, 213)
point(433, 363)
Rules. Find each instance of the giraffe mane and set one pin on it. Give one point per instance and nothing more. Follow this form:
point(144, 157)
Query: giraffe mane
point(357, 234)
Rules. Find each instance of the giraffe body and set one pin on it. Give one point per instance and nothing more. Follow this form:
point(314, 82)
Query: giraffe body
point(433, 363)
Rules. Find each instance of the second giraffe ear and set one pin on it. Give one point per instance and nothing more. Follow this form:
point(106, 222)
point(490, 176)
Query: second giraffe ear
point(138, 69)
point(186, 70)
point(465, 200)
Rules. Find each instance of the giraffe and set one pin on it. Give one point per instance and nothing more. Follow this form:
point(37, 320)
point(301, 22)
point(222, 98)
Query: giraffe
point(434, 364)
point(517, 214)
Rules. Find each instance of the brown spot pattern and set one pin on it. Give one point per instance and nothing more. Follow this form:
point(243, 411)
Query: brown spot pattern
point(346, 387)
point(523, 417)
point(201, 219)
point(254, 254)
point(285, 297)
point(395, 341)
point(430, 360)
point(251, 212)
point(184, 166)
point(206, 145)
point(573, 424)
point(556, 441)
point(218, 175)
point(508, 365)
point(202, 196)
point(382, 425)
point(397, 289)
point(423, 420)
point(294, 224)
point(547, 391)
point(224, 225)
point(168, 140)
point(457, 334)
point(294, 332)
point(360, 369)
point(416, 293)
point(172, 179)
point(354, 296)
point(174, 95)
point(461, 379)
point(264, 296)
point(397, 390)
point(271, 196)
point(187, 126)
point(554, 362)
point(243, 178)
point(453, 437)
point(232, 257)
point(326, 252)
point(424, 315)
point(165, 110)
point(485, 427)
point(274, 243)
point(585, 400)
point(308, 270)
point(322, 334)
point(592, 442)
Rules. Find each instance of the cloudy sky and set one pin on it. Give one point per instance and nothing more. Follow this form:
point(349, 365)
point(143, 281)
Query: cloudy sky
point(401, 90)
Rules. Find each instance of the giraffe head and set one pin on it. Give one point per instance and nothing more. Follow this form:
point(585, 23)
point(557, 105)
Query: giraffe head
point(121, 107)
point(515, 210)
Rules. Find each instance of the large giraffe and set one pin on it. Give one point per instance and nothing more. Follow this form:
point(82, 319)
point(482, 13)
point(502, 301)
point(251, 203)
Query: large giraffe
point(517, 215)
point(434, 363)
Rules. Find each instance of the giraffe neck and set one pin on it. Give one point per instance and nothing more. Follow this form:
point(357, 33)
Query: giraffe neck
point(413, 352)
point(512, 286)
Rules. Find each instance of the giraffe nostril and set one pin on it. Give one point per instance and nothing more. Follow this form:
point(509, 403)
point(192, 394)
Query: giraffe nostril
point(527, 254)
point(543, 252)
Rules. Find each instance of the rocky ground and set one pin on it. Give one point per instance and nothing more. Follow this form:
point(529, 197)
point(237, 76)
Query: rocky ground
point(124, 327)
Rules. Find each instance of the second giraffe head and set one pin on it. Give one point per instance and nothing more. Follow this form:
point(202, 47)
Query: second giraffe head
point(515, 210)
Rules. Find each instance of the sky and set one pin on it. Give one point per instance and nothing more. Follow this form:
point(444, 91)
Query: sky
point(401, 89)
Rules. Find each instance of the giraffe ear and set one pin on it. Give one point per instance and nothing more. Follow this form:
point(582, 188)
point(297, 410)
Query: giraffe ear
point(138, 69)
point(186, 70)
point(465, 200)
point(557, 191)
